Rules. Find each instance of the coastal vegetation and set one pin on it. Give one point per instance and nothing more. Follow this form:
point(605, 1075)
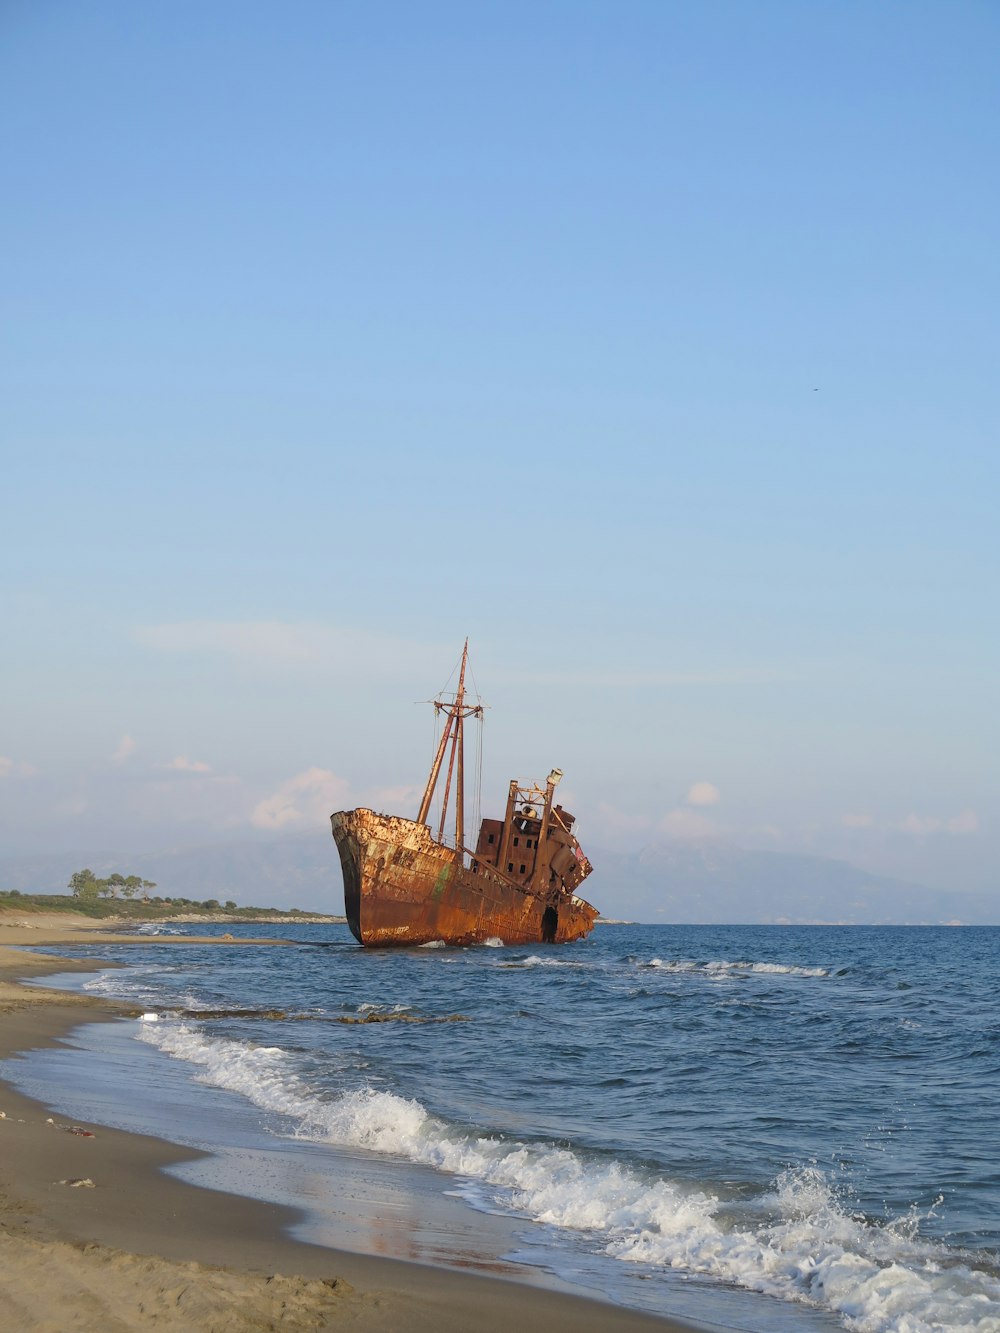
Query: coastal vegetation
point(111, 908)
point(86, 885)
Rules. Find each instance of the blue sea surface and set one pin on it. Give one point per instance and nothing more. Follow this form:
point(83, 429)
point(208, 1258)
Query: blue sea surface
point(762, 1127)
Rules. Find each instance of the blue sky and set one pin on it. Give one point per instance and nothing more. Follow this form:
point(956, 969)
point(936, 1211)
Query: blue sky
point(651, 345)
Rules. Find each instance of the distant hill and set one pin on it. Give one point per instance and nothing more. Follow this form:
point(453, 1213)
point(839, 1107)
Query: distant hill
point(301, 871)
point(709, 881)
point(713, 882)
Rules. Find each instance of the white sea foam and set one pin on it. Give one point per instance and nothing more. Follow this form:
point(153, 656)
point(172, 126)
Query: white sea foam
point(725, 968)
point(433, 944)
point(533, 960)
point(494, 942)
point(803, 1246)
point(141, 984)
point(125, 982)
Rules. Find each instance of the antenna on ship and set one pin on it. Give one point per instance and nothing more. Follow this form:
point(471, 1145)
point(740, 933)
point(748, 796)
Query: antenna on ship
point(456, 712)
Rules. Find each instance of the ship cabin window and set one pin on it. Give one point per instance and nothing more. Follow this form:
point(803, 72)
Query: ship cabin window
point(522, 870)
point(517, 842)
point(490, 838)
point(510, 867)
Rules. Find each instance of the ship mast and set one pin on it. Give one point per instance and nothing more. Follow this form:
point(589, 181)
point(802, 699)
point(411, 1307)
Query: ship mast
point(454, 732)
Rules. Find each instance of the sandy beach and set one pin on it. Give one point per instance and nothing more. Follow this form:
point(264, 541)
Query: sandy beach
point(94, 1236)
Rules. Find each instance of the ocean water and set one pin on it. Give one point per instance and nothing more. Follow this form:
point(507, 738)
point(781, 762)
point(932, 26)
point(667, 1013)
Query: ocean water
point(765, 1128)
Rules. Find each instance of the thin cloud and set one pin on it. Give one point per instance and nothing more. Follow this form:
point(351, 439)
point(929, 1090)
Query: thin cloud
point(919, 824)
point(652, 679)
point(966, 822)
point(313, 644)
point(296, 644)
point(959, 825)
point(858, 821)
point(307, 799)
point(267, 640)
point(686, 825)
point(72, 807)
point(126, 747)
point(182, 764)
point(616, 821)
point(394, 799)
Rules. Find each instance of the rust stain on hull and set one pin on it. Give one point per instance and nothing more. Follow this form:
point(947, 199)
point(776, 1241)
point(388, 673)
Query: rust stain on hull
point(404, 887)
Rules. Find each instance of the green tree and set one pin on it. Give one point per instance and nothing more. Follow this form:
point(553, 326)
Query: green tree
point(147, 888)
point(132, 886)
point(115, 884)
point(229, 905)
point(85, 884)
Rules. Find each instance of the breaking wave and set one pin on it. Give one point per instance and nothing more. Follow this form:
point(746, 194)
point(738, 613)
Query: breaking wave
point(799, 1243)
point(723, 968)
point(533, 960)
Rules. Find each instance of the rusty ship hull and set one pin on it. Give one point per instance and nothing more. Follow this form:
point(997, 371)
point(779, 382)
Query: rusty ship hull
point(404, 887)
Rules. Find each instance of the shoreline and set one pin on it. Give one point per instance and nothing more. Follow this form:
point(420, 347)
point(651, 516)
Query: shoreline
point(139, 1246)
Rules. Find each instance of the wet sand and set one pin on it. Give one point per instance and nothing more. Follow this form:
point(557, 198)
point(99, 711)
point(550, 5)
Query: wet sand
point(95, 1236)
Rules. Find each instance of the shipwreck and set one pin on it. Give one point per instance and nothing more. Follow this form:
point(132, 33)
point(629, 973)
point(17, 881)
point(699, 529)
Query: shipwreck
point(405, 884)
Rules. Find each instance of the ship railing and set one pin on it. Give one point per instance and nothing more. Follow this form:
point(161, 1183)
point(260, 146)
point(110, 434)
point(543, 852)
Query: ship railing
point(480, 866)
point(450, 841)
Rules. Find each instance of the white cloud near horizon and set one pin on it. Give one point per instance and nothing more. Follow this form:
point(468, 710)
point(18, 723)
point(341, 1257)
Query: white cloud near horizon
point(394, 800)
point(917, 826)
point(308, 798)
point(317, 644)
point(654, 679)
point(685, 821)
point(966, 822)
point(619, 822)
point(702, 793)
point(293, 643)
point(686, 824)
point(182, 764)
point(959, 825)
point(126, 747)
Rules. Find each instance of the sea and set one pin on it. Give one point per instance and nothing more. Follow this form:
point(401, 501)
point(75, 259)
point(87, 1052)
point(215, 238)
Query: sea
point(755, 1128)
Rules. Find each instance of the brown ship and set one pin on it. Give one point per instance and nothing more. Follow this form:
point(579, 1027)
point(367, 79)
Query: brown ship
point(405, 885)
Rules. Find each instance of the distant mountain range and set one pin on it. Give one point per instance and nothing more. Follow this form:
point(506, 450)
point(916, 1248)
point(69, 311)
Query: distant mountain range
point(302, 871)
point(708, 881)
point(714, 882)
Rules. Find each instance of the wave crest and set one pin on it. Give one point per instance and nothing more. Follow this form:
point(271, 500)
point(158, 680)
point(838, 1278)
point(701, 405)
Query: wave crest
point(799, 1244)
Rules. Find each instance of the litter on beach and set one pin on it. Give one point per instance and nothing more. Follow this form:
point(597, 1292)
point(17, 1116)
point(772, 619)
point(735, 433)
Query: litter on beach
point(73, 1129)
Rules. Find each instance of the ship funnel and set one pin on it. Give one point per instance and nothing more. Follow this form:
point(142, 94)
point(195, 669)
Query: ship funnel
point(555, 777)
